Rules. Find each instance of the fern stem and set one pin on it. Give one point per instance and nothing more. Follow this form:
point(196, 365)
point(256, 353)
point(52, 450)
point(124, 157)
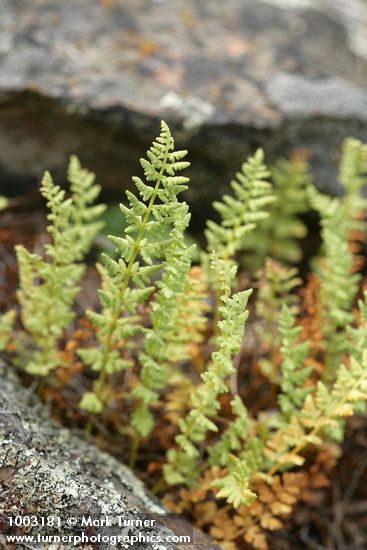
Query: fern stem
point(134, 449)
point(88, 429)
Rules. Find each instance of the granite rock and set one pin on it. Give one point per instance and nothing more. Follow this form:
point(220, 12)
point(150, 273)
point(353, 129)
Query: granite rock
point(47, 471)
point(93, 77)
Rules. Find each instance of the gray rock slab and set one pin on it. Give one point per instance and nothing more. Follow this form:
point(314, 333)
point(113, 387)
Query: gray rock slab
point(46, 471)
point(94, 77)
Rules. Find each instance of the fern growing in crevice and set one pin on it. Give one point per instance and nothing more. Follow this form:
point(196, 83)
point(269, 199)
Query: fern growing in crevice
point(353, 177)
point(191, 320)
point(241, 212)
point(181, 467)
point(277, 284)
point(357, 341)
point(49, 283)
point(156, 357)
point(320, 414)
point(140, 251)
point(293, 372)
point(277, 236)
point(235, 443)
point(85, 215)
point(338, 283)
point(232, 438)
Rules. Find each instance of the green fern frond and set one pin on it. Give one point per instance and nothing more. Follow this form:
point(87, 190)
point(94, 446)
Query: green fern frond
point(205, 403)
point(190, 315)
point(126, 281)
point(232, 438)
point(277, 236)
point(235, 486)
point(85, 215)
point(49, 283)
point(338, 283)
point(358, 335)
point(242, 211)
point(353, 177)
point(322, 413)
point(161, 337)
point(277, 284)
point(293, 373)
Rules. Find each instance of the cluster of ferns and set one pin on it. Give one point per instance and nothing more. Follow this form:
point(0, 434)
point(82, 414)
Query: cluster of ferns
point(155, 307)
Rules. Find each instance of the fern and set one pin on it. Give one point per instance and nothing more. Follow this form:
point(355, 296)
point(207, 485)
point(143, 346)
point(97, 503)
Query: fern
point(177, 321)
point(85, 215)
point(126, 280)
point(241, 213)
point(339, 217)
point(356, 342)
point(353, 177)
point(358, 335)
point(153, 318)
point(235, 486)
point(292, 370)
point(240, 437)
point(321, 413)
point(49, 284)
point(277, 284)
point(190, 319)
point(277, 236)
point(338, 283)
point(156, 357)
point(205, 399)
point(232, 438)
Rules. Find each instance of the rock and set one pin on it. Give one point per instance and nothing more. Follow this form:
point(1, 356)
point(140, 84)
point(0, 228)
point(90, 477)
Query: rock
point(46, 471)
point(93, 77)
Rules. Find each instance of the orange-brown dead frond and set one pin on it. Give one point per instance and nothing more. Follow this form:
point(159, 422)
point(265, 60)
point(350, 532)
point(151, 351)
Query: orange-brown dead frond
point(312, 321)
point(356, 238)
point(72, 368)
point(275, 502)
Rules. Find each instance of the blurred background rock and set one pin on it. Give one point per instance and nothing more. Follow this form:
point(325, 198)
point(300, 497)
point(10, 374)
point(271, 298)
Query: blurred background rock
point(94, 77)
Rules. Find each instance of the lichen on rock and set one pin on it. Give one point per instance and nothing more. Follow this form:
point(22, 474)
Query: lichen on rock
point(45, 471)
